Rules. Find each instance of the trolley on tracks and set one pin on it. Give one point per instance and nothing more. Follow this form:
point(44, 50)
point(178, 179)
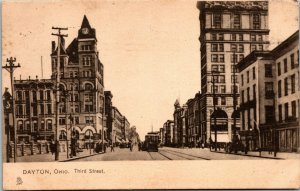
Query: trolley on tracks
point(151, 142)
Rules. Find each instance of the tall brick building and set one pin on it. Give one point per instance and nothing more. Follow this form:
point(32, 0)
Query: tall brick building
point(229, 30)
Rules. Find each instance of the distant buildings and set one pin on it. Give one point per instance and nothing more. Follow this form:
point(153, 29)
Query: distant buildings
point(269, 82)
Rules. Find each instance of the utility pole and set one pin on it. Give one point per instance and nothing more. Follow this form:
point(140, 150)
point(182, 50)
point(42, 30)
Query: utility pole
point(234, 94)
point(215, 115)
point(60, 36)
point(10, 67)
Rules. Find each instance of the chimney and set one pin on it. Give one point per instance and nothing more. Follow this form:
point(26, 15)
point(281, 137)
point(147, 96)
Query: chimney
point(53, 46)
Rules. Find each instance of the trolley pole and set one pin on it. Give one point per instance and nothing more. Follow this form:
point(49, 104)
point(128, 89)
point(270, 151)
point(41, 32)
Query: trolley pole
point(60, 36)
point(10, 67)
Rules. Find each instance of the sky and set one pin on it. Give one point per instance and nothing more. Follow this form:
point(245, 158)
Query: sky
point(150, 49)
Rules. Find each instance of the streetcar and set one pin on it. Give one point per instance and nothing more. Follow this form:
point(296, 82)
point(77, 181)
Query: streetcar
point(151, 142)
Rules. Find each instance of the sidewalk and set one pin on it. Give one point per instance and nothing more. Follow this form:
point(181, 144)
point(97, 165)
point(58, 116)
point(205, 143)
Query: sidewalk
point(51, 158)
point(265, 154)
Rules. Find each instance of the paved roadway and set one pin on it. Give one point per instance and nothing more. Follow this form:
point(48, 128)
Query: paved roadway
point(166, 153)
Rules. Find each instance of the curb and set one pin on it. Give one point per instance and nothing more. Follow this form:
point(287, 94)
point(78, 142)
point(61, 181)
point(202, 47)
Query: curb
point(80, 157)
point(276, 158)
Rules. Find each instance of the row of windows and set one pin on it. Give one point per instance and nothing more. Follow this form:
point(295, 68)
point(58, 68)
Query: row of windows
point(87, 60)
point(248, 98)
point(288, 84)
point(258, 47)
point(221, 68)
point(222, 89)
point(236, 37)
point(236, 21)
point(86, 47)
point(25, 126)
point(248, 76)
point(74, 86)
point(294, 63)
point(235, 58)
point(285, 106)
point(21, 95)
point(25, 109)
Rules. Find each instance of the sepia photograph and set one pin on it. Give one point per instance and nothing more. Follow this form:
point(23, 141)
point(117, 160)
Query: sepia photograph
point(150, 85)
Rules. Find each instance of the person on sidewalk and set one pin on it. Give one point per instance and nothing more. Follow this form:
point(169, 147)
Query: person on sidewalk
point(112, 148)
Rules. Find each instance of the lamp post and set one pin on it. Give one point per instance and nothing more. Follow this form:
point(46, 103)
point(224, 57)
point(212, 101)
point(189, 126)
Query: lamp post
point(10, 67)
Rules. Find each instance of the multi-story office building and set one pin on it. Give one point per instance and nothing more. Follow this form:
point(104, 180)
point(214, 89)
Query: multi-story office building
point(125, 128)
point(270, 94)
point(34, 110)
point(117, 126)
point(229, 30)
point(81, 85)
point(194, 133)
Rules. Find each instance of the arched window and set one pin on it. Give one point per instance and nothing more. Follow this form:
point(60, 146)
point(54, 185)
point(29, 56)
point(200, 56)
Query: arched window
point(49, 125)
point(89, 135)
point(27, 125)
point(20, 125)
point(88, 86)
point(62, 135)
point(61, 87)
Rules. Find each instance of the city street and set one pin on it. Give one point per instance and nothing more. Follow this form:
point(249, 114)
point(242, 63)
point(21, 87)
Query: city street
point(167, 153)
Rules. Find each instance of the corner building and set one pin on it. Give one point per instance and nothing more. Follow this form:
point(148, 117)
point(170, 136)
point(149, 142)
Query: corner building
point(81, 86)
point(229, 30)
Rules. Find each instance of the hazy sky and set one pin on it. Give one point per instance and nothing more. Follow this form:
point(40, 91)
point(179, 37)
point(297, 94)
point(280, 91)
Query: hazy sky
point(150, 49)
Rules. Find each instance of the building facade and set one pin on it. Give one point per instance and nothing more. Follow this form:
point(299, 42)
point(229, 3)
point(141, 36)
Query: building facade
point(229, 30)
point(270, 94)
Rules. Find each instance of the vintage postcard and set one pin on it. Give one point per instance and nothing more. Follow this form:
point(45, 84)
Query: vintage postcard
point(179, 94)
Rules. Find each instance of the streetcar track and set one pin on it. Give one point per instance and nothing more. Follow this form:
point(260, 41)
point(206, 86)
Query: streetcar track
point(160, 154)
point(170, 151)
point(150, 155)
point(178, 155)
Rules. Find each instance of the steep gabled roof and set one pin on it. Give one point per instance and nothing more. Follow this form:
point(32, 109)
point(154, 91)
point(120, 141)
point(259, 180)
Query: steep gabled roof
point(72, 51)
point(62, 49)
point(91, 31)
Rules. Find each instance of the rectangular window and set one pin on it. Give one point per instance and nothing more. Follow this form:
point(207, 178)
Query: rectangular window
point(279, 88)
point(241, 48)
point(233, 48)
point(286, 86)
point(75, 74)
point(19, 109)
point(233, 58)
point(269, 114)
point(233, 37)
point(294, 109)
point(213, 36)
point(241, 37)
point(233, 68)
point(292, 61)
point(241, 57)
point(286, 111)
point(248, 76)
point(253, 47)
point(221, 48)
point(285, 65)
point(221, 58)
point(254, 91)
point(248, 94)
point(215, 101)
point(268, 70)
point(260, 38)
point(221, 36)
point(214, 68)
point(256, 21)
point(42, 109)
point(214, 58)
point(89, 120)
point(88, 108)
point(280, 113)
point(217, 19)
point(253, 73)
point(49, 108)
point(76, 108)
point(214, 47)
point(223, 100)
point(76, 120)
point(223, 89)
point(293, 84)
point(253, 37)
point(242, 78)
point(269, 90)
point(236, 21)
point(214, 89)
point(279, 68)
point(62, 121)
point(232, 89)
point(221, 79)
point(260, 47)
point(222, 68)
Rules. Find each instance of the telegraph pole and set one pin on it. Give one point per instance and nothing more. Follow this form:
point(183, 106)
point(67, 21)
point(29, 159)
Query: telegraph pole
point(60, 36)
point(215, 115)
point(234, 94)
point(10, 67)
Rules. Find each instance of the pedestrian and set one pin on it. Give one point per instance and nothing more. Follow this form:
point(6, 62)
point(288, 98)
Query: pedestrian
point(112, 148)
point(139, 146)
point(52, 147)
